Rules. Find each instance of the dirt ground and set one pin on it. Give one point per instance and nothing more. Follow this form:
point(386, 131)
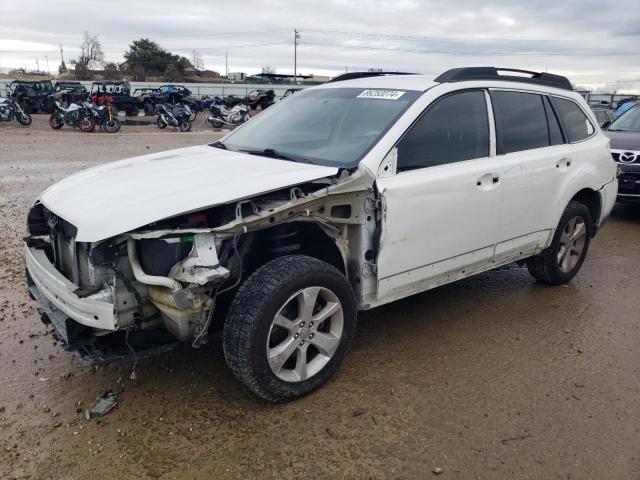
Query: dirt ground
point(494, 377)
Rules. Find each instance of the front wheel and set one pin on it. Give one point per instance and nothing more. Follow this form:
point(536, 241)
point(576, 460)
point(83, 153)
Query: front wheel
point(112, 126)
point(55, 122)
point(185, 125)
point(160, 123)
point(562, 260)
point(289, 327)
point(87, 124)
point(193, 115)
point(23, 119)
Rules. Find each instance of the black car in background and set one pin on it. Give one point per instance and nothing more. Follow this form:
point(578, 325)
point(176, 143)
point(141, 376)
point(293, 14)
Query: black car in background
point(603, 114)
point(624, 133)
point(33, 96)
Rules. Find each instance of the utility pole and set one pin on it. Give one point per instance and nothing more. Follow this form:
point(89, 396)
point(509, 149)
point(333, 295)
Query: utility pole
point(37, 65)
point(47, 59)
point(61, 53)
point(226, 63)
point(296, 37)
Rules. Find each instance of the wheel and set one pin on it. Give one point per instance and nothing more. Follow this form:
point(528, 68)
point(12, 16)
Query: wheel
point(55, 122)
point(289, 327)
point(133, 111)
point(87, 124)
point(23, 119)
point(193, 115)
point(160, 123)
point(112, 126)
point(562, 260)
point(185, 125)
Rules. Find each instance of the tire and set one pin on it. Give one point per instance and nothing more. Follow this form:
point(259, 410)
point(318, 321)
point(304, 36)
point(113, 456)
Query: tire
point(24, 119)
point(249, 327)
point(550, 266)
point(133, 111)
point(193, 115)
point(185, 125)
point(112, 126)
point(55, 122)
point(160, 124)
point(87, 124)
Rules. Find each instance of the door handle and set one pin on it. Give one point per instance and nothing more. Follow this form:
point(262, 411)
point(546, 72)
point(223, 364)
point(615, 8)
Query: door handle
point(488, 181)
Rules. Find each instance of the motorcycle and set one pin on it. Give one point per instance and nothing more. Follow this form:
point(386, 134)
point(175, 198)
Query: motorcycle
point(104, 117)
point(232, 117)
point(10, 109)
point(74, 115)
point(178, 116)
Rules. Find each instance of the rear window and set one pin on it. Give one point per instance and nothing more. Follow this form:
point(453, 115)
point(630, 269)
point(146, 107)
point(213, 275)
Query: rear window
point(521, 121)
point(576, 124)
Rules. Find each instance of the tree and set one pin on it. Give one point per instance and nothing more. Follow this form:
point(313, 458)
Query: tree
point(196, 60)
point(91, 54)
point(268, 69)
point(62, 68)
point(111, 71)
point(171, 74)
point(154, 59)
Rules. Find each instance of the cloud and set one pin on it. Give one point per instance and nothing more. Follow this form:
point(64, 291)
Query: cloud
point(593, 41)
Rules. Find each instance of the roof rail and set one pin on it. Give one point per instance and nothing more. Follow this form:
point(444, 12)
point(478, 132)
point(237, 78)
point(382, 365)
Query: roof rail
point(355, 75)
point(493, 73)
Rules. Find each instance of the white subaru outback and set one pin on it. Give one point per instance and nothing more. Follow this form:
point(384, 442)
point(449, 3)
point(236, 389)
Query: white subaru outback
point(343, 197)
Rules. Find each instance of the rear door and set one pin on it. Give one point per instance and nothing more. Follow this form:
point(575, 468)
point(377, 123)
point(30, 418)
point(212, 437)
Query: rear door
point(441, 208)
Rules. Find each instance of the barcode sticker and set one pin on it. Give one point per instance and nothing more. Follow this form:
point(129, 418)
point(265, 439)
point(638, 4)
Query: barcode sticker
point(382, 94)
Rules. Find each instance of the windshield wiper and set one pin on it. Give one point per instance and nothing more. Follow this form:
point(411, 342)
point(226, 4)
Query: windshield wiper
point(271, 153)
point(219, 144)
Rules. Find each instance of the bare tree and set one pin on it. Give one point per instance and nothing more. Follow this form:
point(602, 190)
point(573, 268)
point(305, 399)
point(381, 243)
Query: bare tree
point(91, 54)
point(268, 69)
point(196, 60)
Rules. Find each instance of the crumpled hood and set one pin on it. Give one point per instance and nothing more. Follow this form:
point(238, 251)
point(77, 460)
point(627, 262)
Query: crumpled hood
point(111, 199)
point(624, 140)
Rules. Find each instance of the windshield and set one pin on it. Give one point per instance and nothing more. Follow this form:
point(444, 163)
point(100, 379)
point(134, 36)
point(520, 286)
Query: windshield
point(326, 126)
point(629, 121)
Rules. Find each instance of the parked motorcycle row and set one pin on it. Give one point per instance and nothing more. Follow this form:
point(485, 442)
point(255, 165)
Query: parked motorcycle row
point(174, 106)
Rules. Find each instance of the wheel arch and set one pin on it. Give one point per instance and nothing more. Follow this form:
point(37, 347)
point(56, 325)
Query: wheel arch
point(591, 199)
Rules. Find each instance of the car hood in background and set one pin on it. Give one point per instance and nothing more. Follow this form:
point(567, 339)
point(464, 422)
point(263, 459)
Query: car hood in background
point(115, 198)
point(624, 140)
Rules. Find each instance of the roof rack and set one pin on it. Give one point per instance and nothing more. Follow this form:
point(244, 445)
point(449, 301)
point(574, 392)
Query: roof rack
point(355, 75)
point(493, 73)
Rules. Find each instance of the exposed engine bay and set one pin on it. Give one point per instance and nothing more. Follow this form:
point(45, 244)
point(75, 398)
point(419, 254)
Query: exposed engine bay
point(160, 285)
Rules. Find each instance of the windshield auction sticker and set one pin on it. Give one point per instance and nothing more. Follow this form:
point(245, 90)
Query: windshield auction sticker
point(382, 94)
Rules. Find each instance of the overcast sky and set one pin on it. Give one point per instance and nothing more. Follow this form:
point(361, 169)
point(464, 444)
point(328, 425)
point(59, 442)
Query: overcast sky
point(592, 42)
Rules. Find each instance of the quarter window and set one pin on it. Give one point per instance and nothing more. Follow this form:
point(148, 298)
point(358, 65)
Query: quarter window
point(555, 133)
point(521, 121)
point(453, 129)
point(576, 123)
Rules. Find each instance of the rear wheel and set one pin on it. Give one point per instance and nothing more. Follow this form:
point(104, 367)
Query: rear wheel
point(289, 327)
point(562, 260)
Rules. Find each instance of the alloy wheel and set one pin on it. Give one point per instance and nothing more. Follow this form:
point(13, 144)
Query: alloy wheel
point(572, 243)
point(305, 334)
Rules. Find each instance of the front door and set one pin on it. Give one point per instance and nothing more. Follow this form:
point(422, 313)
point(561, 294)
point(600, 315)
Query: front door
point(441, 208)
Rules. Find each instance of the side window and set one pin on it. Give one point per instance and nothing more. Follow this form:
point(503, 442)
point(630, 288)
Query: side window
point(555, 133)
point(521, 121)
point(453, 129)
point(576, 123)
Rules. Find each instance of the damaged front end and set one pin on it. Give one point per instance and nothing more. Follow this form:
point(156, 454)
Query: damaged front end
point(146, 291)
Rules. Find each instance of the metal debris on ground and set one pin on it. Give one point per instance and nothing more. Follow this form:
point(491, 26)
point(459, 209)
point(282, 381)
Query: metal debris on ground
point(104, 404)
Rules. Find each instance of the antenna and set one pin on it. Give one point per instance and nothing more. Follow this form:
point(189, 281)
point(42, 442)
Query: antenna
point(296, 37)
